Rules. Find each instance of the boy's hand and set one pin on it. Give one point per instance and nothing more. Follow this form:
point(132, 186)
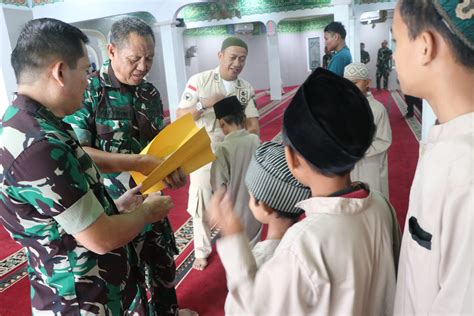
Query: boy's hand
point(222, 213)
point(176, 179)
point(130, 200)
point(156, 207)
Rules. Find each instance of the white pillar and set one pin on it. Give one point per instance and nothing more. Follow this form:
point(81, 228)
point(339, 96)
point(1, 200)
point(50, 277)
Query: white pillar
point(342, 14)
point(175, 70)
point(428, 119)
point(356, 54)
point(273, 56)
point(11, 21)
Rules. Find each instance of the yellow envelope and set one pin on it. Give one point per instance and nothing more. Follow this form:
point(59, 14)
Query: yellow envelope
point(180, 144)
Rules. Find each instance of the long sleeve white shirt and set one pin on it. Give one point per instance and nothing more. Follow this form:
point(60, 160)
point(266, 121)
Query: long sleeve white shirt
point(339, 260)
point(436, 260)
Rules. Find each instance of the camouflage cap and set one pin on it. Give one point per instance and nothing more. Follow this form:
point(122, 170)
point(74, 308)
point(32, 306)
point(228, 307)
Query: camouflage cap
point(459, 17)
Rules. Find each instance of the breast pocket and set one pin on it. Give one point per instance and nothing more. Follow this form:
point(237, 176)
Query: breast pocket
point(418, 234)
point(113, 135)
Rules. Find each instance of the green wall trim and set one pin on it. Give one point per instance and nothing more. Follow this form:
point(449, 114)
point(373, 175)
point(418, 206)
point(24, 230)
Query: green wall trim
point(209, 11)
point(316, 24)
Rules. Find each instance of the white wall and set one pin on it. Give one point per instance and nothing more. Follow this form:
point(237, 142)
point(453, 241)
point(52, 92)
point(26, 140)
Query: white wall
point(256, 67)
point(294, 56)
point(156, 75)
point(373, 37)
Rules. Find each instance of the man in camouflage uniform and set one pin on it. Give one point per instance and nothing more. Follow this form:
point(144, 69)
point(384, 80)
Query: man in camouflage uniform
point(384, 65)
point(364, 55)
point(121, 114)
point(202, 91)
point(52, 200)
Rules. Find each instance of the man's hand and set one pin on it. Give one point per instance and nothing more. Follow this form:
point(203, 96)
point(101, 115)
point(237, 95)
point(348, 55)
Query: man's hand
point(130, 200)
point(147, 163)
point(176, 180)
point(209, 101)
point(156, 207)
point(221, 210)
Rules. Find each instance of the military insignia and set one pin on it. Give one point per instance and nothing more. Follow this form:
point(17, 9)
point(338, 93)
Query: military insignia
point(465, 10)
point(243, 96)
point(216, 77)
point(187, 96)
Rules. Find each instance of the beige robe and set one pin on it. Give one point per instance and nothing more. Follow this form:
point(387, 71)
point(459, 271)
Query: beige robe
point(339, 260)
point(202, 85)
point(437, 256)
point(233, 157)
point(373, 168)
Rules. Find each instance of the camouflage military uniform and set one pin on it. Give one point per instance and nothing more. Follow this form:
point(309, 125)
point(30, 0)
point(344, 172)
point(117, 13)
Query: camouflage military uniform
point(384, 65)
point(51, 190)
point(123, 119)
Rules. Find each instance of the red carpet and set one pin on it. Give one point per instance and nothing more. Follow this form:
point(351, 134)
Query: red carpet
point(205, 291)
point(402, 157)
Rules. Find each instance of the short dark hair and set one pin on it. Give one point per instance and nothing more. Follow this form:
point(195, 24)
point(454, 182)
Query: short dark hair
point(421, 15)
point(336, 27)
point(235, 118)
point(325, 172)
point(293, 216)
point(122, 29)
point(41, 41)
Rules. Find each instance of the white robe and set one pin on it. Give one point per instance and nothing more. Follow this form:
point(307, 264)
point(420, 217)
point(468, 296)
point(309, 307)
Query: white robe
point(436, 267)
point(373, 168)
point(339, 260)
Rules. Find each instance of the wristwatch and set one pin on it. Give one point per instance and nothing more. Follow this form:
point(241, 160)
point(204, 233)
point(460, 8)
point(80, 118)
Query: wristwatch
point(199, 107)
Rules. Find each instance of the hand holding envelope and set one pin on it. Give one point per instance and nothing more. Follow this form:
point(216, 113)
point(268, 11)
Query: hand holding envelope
point(181, 145)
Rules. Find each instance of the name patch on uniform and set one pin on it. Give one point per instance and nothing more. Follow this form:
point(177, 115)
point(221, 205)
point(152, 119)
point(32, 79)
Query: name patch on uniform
point(243, 96)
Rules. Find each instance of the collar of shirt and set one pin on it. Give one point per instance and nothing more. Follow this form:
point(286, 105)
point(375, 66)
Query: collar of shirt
point(461, 125)
point(236, 134)
point(342, 49)
point(334, 205)
point(217, 77)
point(27, 104)
point(110, 80)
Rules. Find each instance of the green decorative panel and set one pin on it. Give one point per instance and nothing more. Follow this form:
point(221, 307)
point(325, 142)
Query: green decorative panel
point(20, 3)
point(316, 24)
point(238, 8)
point(42, 2)
point(220, 30)
point(371, 1)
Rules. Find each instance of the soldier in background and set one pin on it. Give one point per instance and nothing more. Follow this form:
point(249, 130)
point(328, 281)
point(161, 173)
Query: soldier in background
point(364, 55)
point(384, 65)
point(327, 57)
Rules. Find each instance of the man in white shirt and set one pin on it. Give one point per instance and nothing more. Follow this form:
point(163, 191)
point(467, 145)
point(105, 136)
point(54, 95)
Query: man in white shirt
point(202, 91)
point(435, 61)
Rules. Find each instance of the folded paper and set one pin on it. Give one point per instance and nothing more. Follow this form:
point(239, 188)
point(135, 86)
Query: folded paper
point(180, 145)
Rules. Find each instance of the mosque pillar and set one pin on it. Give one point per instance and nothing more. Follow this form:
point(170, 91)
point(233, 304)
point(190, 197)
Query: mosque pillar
point(342, 14)
point(273, 57)
point(175, 70)
point(11, 20)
